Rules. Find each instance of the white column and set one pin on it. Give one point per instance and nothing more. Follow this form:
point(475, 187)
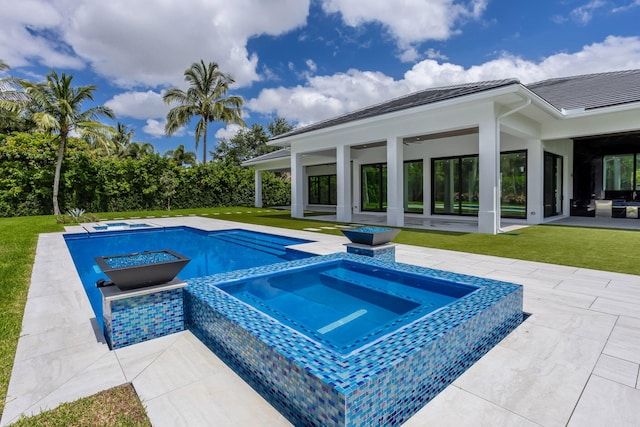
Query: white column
point(343, 178)
point(489, 154)
point(297, 186)
point(395, 182)
point(258, 187)
point(535, 183)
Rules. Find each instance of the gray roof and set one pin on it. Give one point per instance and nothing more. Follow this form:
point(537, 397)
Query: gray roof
point(424, 97)
point(576, 92)
point(590, 91)
point(282, 153)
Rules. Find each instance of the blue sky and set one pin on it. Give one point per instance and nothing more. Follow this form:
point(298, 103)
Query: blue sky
point(307, 60)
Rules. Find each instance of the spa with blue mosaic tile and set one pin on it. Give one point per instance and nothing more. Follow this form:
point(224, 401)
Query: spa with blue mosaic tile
point(380, 383)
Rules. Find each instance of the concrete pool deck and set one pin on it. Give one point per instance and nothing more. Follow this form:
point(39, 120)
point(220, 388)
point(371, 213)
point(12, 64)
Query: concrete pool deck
point(575, 361)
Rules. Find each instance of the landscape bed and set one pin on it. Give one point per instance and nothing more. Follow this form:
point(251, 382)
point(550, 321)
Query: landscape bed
point(382, 381)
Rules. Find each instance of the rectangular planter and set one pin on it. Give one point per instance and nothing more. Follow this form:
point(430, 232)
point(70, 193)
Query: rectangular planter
point(142, 269)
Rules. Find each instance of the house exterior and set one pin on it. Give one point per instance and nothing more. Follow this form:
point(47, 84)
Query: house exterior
point(487, 150)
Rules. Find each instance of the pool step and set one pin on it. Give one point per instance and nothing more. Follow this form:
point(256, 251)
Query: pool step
point(248, 242)
point(361, 290)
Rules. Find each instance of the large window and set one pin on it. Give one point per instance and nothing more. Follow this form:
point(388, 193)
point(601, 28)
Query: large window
point(322, 190)
point(456, 185)
point(619, 172)
point(413, 187)
point(513, 172)
point(373, 179)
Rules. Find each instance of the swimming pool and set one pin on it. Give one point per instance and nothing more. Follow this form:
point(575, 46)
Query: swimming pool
point(382, 381)
point(345, 305)
point(210, 251)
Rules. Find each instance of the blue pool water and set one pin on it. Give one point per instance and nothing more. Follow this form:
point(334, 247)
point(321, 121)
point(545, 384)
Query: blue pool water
point(346, 305)
point(210, 252)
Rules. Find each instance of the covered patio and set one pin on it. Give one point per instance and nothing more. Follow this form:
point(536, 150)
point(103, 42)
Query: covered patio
point(480, 156)
point(470, 225)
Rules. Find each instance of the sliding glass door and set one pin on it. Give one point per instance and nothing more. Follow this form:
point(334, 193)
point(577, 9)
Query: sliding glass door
point(373, 179)
point(413, 187)
point(552, 184)
point(513, 172)
point(456, 185)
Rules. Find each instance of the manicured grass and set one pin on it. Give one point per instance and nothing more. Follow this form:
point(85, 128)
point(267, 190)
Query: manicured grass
point(118, 406)
point(603, 249)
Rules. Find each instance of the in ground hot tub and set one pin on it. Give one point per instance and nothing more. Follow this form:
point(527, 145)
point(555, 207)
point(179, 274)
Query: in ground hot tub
point(344, 340)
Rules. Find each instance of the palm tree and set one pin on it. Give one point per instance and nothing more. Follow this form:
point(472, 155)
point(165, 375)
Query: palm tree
point(56, 107)
point(204, 98)
point(181, 157)
point(121, 139)
point(12, 103)
point(138, 150)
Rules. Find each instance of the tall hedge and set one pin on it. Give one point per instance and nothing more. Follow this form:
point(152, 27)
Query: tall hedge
point(103, 184)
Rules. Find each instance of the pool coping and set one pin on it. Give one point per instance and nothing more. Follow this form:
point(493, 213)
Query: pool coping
point(574, 361)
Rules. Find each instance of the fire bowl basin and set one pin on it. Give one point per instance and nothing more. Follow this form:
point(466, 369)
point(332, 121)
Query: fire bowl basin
point(372, 236)
point(142, 269)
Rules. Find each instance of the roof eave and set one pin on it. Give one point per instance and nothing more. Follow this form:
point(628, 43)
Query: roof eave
point(579, 113)
point(474, 97)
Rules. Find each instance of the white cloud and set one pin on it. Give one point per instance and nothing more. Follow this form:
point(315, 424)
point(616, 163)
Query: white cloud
point(410, 54)
point(435, 54)
point(323, 97)
point(139, 105)
point(584, 13)
point(311, 65)
point(21, 22)
point(227, 132)
point(624, 8)
point(155, 128)
point(326, 96)
point(144, 42)
point(409, 21)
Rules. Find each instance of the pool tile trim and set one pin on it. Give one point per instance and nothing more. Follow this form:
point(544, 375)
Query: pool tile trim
point(352, 384)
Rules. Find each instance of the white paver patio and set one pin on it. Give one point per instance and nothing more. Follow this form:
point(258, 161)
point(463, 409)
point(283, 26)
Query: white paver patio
point(575, 361)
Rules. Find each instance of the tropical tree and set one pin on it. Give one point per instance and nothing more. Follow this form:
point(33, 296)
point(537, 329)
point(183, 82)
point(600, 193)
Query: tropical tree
point(249, 142)
point(12, 101)
point(205, 98)
point(122, 137)
point(180, 157)
point(138, 150)
point(278, 126)
point(56, 108)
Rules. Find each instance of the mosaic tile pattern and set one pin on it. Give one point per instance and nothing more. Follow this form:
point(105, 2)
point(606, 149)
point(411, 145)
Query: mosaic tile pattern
point(386, 253)
point(141, 318)
point(382, 383)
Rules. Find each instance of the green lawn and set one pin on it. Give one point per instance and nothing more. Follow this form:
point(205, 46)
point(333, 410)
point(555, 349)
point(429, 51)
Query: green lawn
point(601, 249)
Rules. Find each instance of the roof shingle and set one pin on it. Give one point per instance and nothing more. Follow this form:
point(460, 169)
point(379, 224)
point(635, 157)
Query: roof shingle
point(590, 91)
point(416, 99)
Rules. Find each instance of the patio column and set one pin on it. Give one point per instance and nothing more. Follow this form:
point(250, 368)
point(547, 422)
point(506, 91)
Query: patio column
point(489, 155)
point(343, 178)
point(258, 186)
point(395, 182)
point(297, 186)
